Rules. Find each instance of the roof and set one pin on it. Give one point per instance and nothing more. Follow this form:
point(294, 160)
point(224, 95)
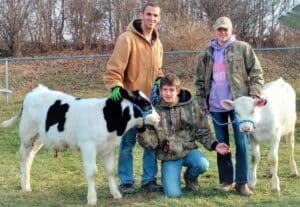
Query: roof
point(291, 18)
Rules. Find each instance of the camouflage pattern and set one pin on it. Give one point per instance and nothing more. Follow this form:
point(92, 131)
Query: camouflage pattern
point(179, 128)
point(244, 72)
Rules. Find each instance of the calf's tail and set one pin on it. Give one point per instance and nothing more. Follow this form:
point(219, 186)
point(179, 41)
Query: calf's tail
point(12, 120)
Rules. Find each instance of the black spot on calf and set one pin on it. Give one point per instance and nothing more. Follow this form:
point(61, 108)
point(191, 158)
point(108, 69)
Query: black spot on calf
point(57, 114)
point(116, 119)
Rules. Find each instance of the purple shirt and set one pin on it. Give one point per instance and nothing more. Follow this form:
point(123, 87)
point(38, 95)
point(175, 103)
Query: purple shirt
point(220, 88)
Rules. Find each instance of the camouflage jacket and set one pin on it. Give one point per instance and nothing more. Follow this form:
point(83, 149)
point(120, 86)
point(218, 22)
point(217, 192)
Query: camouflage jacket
point(244, 72)
point(179, 128)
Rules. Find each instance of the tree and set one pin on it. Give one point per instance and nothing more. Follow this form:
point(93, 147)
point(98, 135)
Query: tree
point(12, 17)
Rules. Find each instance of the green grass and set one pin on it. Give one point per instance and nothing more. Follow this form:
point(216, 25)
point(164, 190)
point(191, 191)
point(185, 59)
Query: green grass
point(61, 182)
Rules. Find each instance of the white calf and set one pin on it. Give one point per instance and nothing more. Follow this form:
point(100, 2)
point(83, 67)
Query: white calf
point(267, 120)
point(94, 126)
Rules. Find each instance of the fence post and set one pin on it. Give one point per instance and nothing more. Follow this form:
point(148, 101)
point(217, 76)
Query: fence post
point(5, 91)
point(6, 78)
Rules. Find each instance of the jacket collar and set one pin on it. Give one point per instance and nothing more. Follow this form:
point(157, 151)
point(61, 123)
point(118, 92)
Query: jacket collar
point(184, 95)
point(136, 27)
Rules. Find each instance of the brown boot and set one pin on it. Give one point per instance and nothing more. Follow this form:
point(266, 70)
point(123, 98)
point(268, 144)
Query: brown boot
point(192, 185)
point(243, 189)
point(225, 187)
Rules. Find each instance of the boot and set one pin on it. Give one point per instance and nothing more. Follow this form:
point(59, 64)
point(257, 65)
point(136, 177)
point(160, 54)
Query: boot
point(192, 185)
point(126, 189)
point(152, 186)
point(225, 187)
point(243, 189)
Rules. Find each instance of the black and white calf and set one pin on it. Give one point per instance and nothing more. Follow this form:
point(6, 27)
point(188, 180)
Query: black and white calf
point(93, 126)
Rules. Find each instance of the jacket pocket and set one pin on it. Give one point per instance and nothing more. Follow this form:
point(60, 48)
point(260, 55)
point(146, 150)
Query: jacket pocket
point(237, 65)
point(132, 73)
point(175, 146)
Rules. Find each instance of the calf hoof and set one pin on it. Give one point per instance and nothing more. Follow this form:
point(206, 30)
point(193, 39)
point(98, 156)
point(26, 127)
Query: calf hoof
point(92, 202)
point(117, 195)
point(295, 175)
point(26, 189)
point(277, 191)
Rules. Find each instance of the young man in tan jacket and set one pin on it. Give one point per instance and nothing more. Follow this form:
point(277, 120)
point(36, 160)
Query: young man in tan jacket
point(135, 64)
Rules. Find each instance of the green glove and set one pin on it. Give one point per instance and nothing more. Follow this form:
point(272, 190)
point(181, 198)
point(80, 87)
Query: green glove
point(115, 94)
point(157, 82)
point(154, 96)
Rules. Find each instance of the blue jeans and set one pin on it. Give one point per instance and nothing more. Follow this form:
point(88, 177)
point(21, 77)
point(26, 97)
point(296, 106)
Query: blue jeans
point(125, 163)
point(225, 167)
point(196, 164)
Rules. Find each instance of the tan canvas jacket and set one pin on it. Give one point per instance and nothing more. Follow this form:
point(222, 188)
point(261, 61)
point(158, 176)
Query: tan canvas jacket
point(135, 63)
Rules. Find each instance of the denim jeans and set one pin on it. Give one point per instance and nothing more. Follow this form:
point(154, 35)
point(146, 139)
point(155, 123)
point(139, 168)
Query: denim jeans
point(125, 163)
point(225, 166)
point(196, 164)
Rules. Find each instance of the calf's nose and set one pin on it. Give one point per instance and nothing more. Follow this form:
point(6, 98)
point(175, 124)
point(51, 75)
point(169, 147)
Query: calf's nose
point(245, 129)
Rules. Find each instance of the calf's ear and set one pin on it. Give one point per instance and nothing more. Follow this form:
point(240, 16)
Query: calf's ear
point(227, 104)
point(260, 102)
point(124, 93)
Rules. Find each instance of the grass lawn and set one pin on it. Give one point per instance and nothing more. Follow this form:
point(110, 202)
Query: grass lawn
point(61, 182)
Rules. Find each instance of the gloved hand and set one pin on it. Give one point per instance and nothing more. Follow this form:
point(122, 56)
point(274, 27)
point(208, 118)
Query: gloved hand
point(154, 97)
point(115, 93)
point(157, 82)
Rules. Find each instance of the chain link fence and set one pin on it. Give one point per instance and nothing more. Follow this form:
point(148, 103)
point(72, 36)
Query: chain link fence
point(80, 73)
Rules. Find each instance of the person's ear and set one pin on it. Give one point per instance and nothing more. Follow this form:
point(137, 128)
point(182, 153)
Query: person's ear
point(141, 15)
point(177, 90)
point(158, 20)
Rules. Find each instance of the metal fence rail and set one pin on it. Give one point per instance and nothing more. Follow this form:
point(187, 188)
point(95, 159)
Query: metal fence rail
point(84, 71)
point(167, 53)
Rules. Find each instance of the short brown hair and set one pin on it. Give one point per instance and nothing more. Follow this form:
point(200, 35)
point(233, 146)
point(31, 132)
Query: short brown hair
point(150, 4)
point(170, 79)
